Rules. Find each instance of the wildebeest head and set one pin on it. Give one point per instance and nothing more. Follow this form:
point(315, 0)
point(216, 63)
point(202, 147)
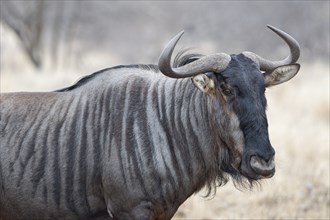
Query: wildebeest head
point(238, 83)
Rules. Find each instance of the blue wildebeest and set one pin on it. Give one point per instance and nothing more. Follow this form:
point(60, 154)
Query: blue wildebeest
point(134, 142)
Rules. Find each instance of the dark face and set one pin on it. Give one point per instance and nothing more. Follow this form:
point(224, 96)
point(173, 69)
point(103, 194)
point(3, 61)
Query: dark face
point(242, 86)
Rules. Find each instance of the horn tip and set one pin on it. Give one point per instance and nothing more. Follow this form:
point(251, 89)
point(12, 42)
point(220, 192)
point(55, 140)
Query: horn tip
point(272, 27)
point(180, 33)
point(176, 38)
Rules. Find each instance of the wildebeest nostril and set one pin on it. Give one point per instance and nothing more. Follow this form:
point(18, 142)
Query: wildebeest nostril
point(267, 160)
point(267, 157)
point(264, 160)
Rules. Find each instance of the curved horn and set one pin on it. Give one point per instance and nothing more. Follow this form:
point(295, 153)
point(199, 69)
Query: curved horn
point(267, 65)
point(215, 63)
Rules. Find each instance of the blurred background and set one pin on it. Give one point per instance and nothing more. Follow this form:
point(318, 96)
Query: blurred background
point(47, 45)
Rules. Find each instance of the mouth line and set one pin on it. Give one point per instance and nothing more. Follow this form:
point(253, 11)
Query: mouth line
point(265, 174)
point(256, 176)
point(249, 173)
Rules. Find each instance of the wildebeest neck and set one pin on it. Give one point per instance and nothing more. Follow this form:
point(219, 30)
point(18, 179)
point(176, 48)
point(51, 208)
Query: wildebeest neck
point(184, 150)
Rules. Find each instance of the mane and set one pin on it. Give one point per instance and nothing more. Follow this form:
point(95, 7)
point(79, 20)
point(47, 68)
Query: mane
point(184, 57)
point(90, 77)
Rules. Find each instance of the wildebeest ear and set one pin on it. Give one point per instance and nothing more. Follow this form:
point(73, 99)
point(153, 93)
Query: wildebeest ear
point(281, 74)
point(203, 83)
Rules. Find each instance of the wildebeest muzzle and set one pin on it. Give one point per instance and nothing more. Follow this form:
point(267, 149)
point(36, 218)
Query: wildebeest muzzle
point(258, 165)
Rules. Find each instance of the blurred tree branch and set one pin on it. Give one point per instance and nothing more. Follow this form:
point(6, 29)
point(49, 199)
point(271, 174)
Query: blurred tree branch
point(28, 27)
point(46, 29)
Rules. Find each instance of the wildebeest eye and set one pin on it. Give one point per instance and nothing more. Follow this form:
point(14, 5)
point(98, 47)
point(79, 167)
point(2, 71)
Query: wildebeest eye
point(227, 91)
